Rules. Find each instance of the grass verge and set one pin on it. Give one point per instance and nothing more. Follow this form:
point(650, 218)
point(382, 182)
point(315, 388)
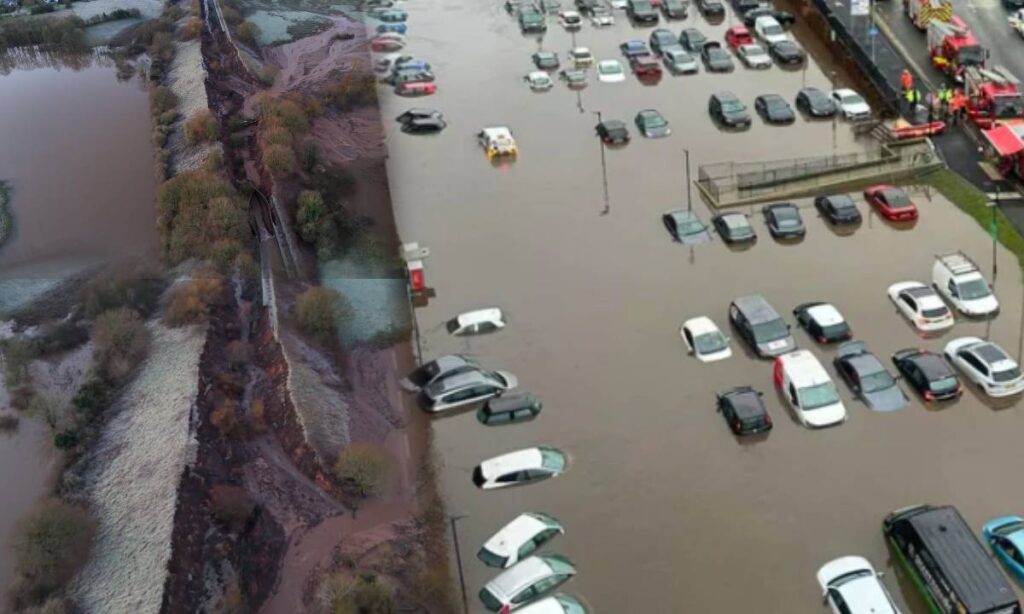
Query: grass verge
point(6, 224)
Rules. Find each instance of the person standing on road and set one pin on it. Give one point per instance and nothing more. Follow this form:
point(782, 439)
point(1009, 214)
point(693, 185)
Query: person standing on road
point(929, 101)
point(945, 98)
point(913, 98)
point(906, 81)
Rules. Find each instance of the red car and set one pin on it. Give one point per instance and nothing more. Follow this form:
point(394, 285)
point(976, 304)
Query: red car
point(416, 89)
point(737, 36)
point(892, 202)
point(645, 66)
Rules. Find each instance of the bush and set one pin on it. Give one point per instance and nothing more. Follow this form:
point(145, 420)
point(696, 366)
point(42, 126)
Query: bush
point(310, 215)
point(237, 354)
point(344, 594)
point(223, 254)
point(190, 29)
point(161, 47)
point(190, 302)
point(167, 118)
point(268, 74)
point(231, 506)
point(120, 340)
point(59, 336)
point(92, 398)
point(161, 100)
point(201, 126)
point(137, 288)
point(320, 310)
point(50, 546)
point(310, 155)
point(279, 160)
point(18, 354)
point(61, 34)
point(196, 209)
point(257, 416)
point(364, 469)
point(285, 112)
point(231, 15)
point(247, 33)
point(352, 91)
point(224, 418)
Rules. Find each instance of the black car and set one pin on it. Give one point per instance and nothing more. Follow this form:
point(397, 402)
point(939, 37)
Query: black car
point(711, 8)
point(641, 11)
point(784, 221)
point(673, 9)
point(838, 209)
point(734, 227)
point(743, 411)
point(551, 7)
point(726, 109)
point(868, 378)
point(424, 125)
point(660, 39)
point(928, 373)
point(715, 58)
point(786, 53)
point(692, 40)
point(417, 113)
point(815, 102)
point(823, 322)
point(587, 7)
point(613, 132)
point(742, 7)
point(546, 60)
point(785, 18)
point(774, 109)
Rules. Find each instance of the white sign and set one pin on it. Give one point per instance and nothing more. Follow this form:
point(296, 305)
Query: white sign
point(860, 8)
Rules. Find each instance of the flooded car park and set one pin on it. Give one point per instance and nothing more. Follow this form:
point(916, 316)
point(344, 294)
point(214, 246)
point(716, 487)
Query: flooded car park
point(664, 509)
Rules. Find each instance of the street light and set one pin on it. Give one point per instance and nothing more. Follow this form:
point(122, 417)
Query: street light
point(458, 560)
point(604, 169)
point(994, 230)
point(689, 197)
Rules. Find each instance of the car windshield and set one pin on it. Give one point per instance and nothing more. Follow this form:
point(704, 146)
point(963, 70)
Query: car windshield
point(944, 384)
point(786, 219)
point(1008, 105)
point(1007, 375)
point(972, 55)
point(691, 227)
point(770, 331)
point(773, 30)
point(737, 224)
point(775, 103)
point(815, 397)
point(490, 559)
point(1009, 528)
point(733, 106)
point(552, 459)
point(609, 69)
point(490, 602)
point(835, 330)
point(973, 289)
point(875, 382)
point(852, 99)
point(709, 343)
point(937, 312)
point(847, 577)
point(653, 120)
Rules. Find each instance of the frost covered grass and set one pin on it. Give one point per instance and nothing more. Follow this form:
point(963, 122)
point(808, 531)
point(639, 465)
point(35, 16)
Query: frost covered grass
point(322, 412)
point(283, 26)
point(134, 481)
point(147, 8)
point(187, 79)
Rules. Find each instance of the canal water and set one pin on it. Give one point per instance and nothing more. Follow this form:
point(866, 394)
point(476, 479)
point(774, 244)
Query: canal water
point(75, 150)
point(665, 510)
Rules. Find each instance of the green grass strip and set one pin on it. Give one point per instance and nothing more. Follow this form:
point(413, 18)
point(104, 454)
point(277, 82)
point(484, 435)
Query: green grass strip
point(6, 223)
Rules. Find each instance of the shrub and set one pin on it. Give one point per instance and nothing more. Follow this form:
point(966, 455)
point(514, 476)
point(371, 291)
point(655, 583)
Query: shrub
point(310, 215)
point(364, 469)
point(51, 410)
point(320, 310)
point(352, 91)
point(231, 15)
point(268, 74)
point(50, 545)
point(256, 416)
point(190, 302)
point(120, 339)
point(59, 336)
point(223, 254)
point(286, 112)
point(92, 397)
point(161, 100)
point(161, 47)
point(247, 33)
point(246, 266)
point(231, 506)
point(138, 288)
point(167, 118)
point(66, 439)
point(18, 354)
point(280, 160)
point(310, 155)
point(201, 126)
point(275, 135)
point(224, 418)
point(214, 160)
point(340, 593)
point(196, 209)
point(190, 29)
point(8, 423)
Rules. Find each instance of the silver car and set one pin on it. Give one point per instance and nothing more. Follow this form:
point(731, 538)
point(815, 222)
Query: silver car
point(679, 61)
point(465, 387)
point(444, 366)
point(525, 581)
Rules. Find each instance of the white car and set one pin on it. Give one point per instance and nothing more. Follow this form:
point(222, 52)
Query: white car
point(958, 279)
point(533, 577)
point(498, 141)
point(769, 30)
point(808, 389)
point(581, 57)
point(519, 539)
point(539, 81)
point(851, 104)
point(520, 467)
point(704, 340)
point(601, 16)
point(570, 20)
point(618, 4)
point(987, 365)
point(476, 322)
point(850, 585)
point(921, 305)
point(754, 56)
point(1017, 21)
point(556, 604)
point(610, 71)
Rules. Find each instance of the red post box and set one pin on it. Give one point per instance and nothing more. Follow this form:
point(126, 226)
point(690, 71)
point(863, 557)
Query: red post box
point(416, 281)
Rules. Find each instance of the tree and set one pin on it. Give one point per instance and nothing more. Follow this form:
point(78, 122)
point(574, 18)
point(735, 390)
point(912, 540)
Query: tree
point(162, 100)
point(343, 594)
point(190, 301)
point(364, 469)
point(280, 160)
point(201, 126)
point(120, 341)
point(247, 33)
point(50, 545)
point(321, 310)
point(309, 213)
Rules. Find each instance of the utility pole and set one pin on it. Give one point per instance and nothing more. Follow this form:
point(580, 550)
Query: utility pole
point(689, 196)
point(604, 170)
point(458, 560)
point(832, 79)
point(994, 231)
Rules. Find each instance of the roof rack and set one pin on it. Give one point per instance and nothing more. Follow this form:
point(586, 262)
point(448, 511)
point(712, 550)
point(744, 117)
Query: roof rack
point(958, 263)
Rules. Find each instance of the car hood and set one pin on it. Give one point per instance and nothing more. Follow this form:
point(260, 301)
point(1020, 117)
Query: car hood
point(778, 347)
point(981, 306)
point(825, 416)
point(715, 356)
point(890, 399)
point(857, 108)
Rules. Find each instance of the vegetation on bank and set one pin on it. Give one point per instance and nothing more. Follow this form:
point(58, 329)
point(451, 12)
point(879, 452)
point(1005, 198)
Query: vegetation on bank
point(6, 221)
point(51, 33)
point(364, 469)
point(341, 593)
point(201, 216)
point(320, 310)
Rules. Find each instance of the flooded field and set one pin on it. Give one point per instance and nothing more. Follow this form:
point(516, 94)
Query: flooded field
point(665, 510)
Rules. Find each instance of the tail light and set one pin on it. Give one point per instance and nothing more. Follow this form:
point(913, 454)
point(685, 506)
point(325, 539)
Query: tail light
point(822, 339)
point(928, 395)
point(768, 420)
point(736, 425)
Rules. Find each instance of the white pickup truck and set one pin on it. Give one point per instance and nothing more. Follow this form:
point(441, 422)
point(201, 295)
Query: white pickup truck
point(958, 280)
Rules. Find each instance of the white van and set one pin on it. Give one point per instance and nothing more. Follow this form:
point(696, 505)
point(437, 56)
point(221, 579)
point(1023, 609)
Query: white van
point(957, 278)
point(808, 389)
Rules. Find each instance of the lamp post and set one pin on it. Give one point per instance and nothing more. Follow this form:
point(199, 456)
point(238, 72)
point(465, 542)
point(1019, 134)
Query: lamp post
point(689, 197)
point(832, 80)
point(604, 170)
point(458, 561)
point(994, 230)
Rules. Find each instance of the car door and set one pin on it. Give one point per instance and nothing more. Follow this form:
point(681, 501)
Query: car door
point(974, 368)
point(727, 411)
point(916, 376)
point(850, 375)
point(908, 306)
point(688, 338)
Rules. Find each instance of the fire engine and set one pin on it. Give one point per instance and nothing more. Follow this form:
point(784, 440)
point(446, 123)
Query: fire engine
point(953, 47)
point(993, 95)
point(923, 12)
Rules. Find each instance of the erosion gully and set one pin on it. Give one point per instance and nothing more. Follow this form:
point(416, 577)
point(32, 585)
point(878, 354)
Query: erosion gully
point(665, 510)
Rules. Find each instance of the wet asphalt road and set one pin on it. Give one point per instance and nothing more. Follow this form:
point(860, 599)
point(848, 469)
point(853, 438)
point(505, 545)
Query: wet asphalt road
point(666, 511)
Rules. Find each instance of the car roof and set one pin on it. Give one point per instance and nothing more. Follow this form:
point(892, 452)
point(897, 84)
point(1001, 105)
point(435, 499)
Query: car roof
point(865, 594)
point(529, 458)
point(746, 402)
point(539, 75)
point(931, 364)
point(580, 51)
point(845, 92)
point(803, 368)
point(521, 575)
point(841, 200)
point(556, 604)
point(614, 124)
point(813, 91)
point(459, 380)
point(751, 47)
point(993, 355)
point(523, 527)
point(546, 54)
point(775, 98)
point(734, 217)
point(739, 30)
point(701, 325)
point(725, 95)
point(825, 314)
point(926, 297)
point(756, 308)
point(453, 361)
point(865, 364)
point(477, 316)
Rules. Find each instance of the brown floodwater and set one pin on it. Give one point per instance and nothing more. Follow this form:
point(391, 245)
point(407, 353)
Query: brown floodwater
point(665, 510)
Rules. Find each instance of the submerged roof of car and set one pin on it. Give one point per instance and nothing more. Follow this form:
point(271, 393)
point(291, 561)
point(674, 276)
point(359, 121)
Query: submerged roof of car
point(825, 314)
point(522, 528)
point(756, 308)
point(968, 568)
point(491, 314)
point(528, 458)
point(524, 573)
point(803, 368)
point(746, 401)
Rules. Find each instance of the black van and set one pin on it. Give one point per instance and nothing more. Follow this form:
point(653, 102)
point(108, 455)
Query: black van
point(947, 562)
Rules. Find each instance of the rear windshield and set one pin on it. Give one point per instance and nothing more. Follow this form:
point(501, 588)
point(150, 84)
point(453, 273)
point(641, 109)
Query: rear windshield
point(943, 385)
point(710, 342)
point(490, 559)
point(552, 459)
point(770, 331)
point(876, 381)
point(836, 330)
point(1007, 375)
point(452, 325)
point(490, 601)
point(814, 397)
point(938, 312)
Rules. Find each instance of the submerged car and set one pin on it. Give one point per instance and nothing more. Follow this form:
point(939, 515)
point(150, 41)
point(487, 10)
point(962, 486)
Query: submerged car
point(498, 141)
point(726, 109)
point(476, 322)
point(716, 59)
point(823, 322)
point(574, 79)
point(921, 305)
point(532, 20)
point(661, 38)
point(509, 409)
point(785, 18)
point(711, 8)
point(734, 227)
point(987, 365)
point(891, 202)
point(704, 340)
point(645, 67)
point(438, 368)
point(539, 81)
point(744, 411)
point(546, 60)
point(786, 52)
point(651, 124)
point(673, 9)
point(559, 603)
point(612, 132)
point(391, 16)
point(610, 71)
point(679, 61)
point(692, 39)
point(808, 390)
point(850, 585)
point(761, 326)
point(838, 209)
point(815, 103)
point(774, 109)
point(417, 113)
point(754, 56)
point(738, 36)
point(634, 47)
point(685, 227)
point(416, 89)
point(641, 11)
point(601, 16)
point(465, 387)
point(928, 374)
point(868, 378)
point(784, 221)
point(1005, 535)
point(424, 125)
point(570, 20)
point(519, 539)
point(851, 104)
point(520, 467)
point(581, 57)
point(384, 42)
point(526, 580)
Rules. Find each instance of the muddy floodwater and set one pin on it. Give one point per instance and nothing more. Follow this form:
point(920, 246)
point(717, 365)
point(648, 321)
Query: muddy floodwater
point(78, 158)
point(665, 510)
